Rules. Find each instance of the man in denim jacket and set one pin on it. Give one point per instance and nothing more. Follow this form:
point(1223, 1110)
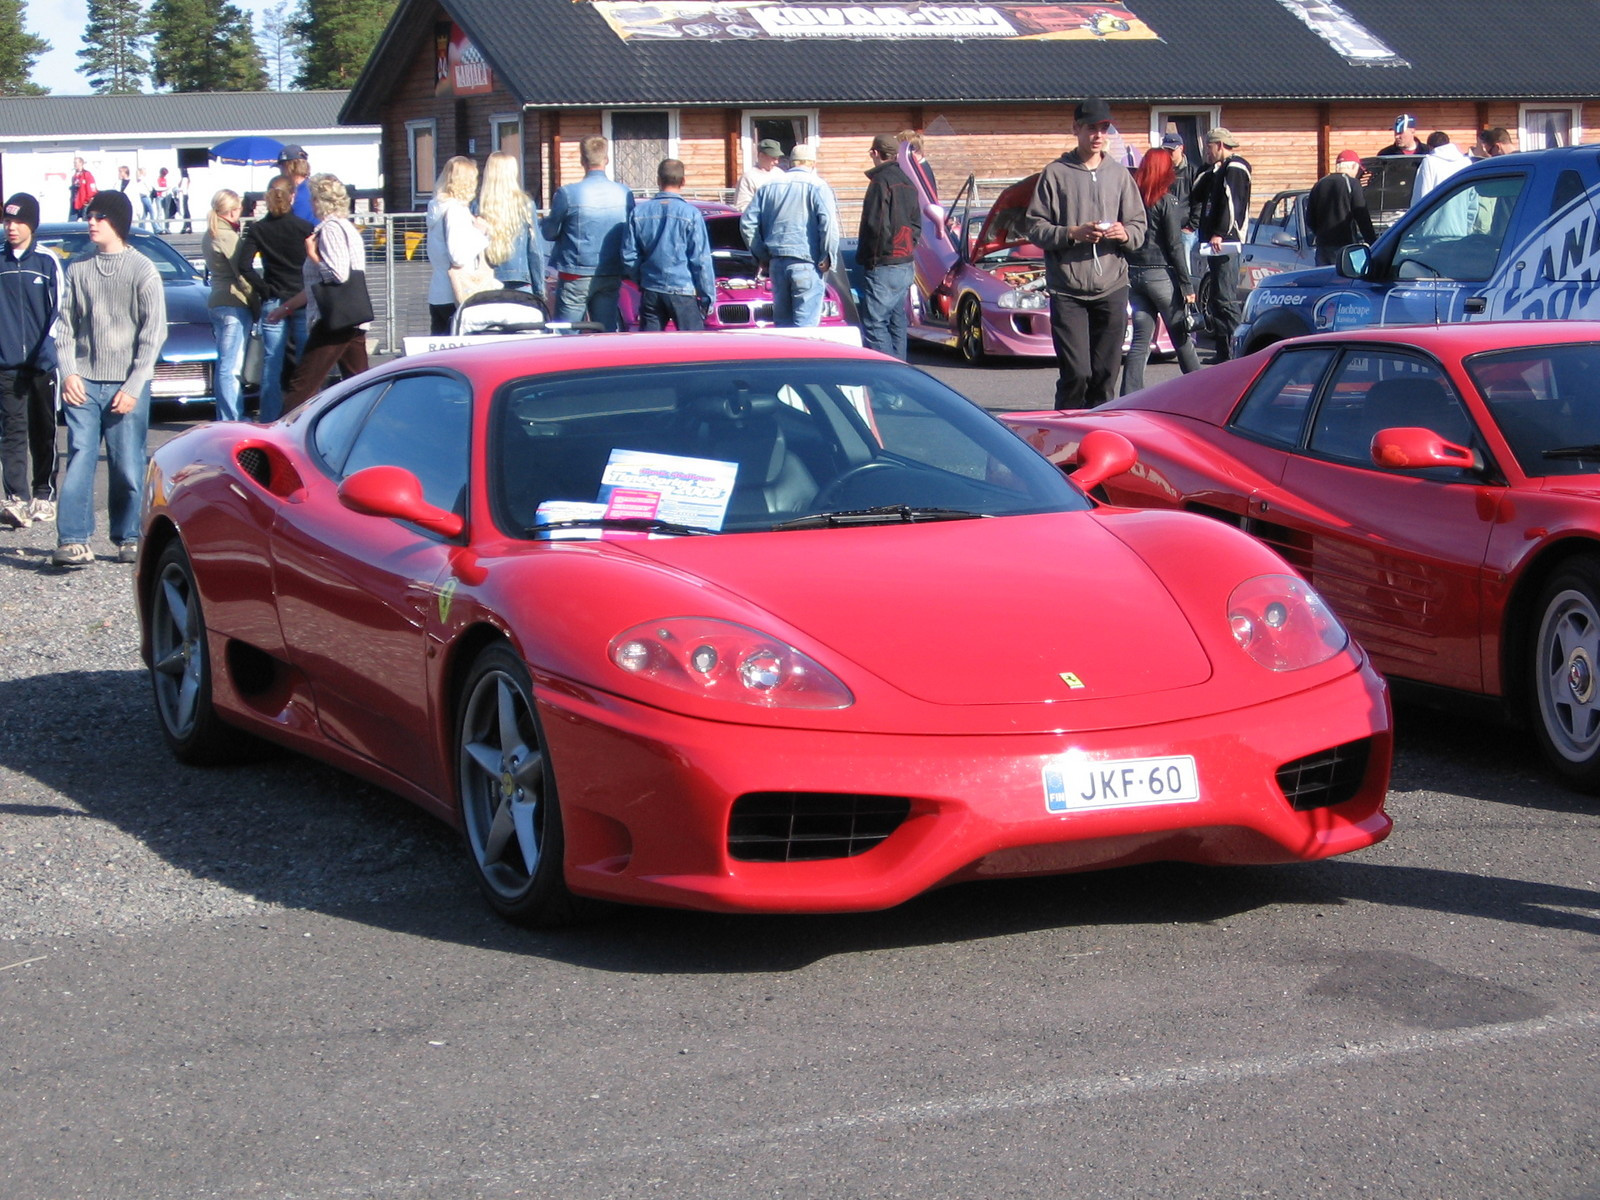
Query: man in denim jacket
point(792, 227)
point(586, 225)
point(668, 250)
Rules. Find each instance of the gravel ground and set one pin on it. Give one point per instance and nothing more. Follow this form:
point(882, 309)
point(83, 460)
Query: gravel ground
point(101, 830)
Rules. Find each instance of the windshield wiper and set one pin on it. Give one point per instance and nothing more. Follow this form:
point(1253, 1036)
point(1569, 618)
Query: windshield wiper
point(887, 514)
point(631, 524)
point(1589, 450)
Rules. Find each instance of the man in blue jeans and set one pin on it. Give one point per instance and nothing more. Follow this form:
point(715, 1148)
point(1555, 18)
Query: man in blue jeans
point(668, 250)
point(891, 224)
point(112, 325)
point(586, 225)
point(792, 228)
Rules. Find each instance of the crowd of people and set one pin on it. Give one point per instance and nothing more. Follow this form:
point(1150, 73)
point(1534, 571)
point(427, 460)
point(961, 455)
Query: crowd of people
point(1113, 242)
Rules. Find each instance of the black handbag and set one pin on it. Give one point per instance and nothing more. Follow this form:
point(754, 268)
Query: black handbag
point(343, 306)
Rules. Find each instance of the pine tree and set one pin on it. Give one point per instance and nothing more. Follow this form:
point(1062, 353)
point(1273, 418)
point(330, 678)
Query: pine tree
point(281, 45)
point(204, 46)
point(339, 38)
point(19, 50)
point(114, 43)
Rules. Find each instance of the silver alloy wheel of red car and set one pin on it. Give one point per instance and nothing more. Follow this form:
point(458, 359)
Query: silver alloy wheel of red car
point(180, 664)
point(969, 330)
point(508, 799)
point(1566, 673)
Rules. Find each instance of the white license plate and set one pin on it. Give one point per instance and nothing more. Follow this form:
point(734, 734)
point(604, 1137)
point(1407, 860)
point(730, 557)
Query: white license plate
point(1073, 783)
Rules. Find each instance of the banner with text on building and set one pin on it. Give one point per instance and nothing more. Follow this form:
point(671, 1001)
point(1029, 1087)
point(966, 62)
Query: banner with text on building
point(747, 20)
point(459, 66)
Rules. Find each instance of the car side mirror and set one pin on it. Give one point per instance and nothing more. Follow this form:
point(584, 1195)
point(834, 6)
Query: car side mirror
point(1102, 455)
point(1408, 448)
point(396, 492)
point(1285, 239)
point(1354, 261)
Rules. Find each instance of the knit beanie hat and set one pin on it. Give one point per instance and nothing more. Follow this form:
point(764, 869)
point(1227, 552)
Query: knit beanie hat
point(116, 208)
point(23, 207)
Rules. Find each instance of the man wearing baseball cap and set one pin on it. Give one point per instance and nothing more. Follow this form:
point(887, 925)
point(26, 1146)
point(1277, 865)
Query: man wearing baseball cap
point(1405, 138)
point(767, 168)
point(1336, 210)
point(30, 289)
point(1219, 210)
point(292, 161)
point(1086, 215)
point(112, 325)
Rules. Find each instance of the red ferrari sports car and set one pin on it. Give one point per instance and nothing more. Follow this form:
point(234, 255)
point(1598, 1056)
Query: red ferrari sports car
point(1440, 486)
point(742, 622)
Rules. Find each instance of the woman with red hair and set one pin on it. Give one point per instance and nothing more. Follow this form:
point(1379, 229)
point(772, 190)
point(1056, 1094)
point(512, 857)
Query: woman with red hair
point(1159, 283)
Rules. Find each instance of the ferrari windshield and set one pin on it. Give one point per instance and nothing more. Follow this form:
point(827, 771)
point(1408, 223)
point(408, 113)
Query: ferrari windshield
point(1546, 400)
point(747, 446)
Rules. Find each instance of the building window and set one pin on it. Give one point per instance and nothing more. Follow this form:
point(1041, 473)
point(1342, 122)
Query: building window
point(1544, 126)
point(505, 134)
point(421, 137)
point(639, 141)
point(1191, 124)
point(788, 127)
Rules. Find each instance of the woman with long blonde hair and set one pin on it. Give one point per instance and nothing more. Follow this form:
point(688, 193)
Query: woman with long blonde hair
point(455, 237)
point(229, 302)
point(507, 214)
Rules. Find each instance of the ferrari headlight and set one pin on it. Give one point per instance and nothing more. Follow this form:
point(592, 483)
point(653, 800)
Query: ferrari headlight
point(1283, 624)
point(724, 661)
point(1021, 299)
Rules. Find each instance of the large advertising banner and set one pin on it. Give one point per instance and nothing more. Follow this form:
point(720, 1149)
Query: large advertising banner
point(1357, 44)
point(744, 20)
point(459, 66)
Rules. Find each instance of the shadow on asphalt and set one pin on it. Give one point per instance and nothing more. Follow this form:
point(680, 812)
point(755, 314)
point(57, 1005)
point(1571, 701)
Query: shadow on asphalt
point(291, 832)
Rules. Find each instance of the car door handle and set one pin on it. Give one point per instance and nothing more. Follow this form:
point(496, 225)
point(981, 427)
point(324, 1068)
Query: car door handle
point(1474, 304)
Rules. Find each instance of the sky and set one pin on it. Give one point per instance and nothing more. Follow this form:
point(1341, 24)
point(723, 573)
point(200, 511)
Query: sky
point(61, 23)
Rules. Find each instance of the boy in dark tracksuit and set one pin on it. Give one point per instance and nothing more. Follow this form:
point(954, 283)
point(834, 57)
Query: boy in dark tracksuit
point(30, 291)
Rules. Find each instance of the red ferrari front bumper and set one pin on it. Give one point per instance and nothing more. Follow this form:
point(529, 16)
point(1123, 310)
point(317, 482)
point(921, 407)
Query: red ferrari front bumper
point(646, 798)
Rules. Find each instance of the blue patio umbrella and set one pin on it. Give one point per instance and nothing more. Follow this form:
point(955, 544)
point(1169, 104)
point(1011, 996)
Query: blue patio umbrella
point(250, 151)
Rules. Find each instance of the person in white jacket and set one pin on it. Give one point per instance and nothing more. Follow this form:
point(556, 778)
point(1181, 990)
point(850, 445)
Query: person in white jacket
point(1443, 160)
point(456, 238)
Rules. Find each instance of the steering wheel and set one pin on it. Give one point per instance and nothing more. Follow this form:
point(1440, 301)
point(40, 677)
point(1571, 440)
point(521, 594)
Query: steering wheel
point(829, 497)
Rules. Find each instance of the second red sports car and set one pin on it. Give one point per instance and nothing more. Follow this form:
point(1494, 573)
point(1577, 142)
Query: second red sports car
point(1439, 486)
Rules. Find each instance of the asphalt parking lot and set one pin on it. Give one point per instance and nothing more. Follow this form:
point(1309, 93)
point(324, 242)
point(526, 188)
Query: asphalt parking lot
point(269, 979)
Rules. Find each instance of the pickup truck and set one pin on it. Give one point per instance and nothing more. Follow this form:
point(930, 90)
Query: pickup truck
point(1516, 236)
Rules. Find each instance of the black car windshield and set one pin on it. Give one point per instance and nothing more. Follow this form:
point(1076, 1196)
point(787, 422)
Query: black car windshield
point(171, 265)
point(1546, 401)
point(740, 447)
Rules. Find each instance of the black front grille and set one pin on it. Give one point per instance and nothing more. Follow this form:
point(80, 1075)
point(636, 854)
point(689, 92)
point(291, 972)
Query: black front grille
point(1326, 778)
point(805, 826)
point(733, 314)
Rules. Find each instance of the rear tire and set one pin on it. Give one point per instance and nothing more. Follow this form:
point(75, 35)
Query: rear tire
point(1565, 674)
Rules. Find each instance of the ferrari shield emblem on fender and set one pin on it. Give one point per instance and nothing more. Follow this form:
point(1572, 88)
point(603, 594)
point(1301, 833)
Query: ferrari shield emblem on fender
point(1071, 680)
point(447, 595)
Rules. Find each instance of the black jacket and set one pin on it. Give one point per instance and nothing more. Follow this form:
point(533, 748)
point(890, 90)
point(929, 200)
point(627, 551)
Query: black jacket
point(30, 293)
point(1163, 245)
point(1336, 212)
point(281, 243)
point(1220, 203)
point(891, 218)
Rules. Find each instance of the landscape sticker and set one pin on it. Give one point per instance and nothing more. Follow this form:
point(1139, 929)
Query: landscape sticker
point(754, 20)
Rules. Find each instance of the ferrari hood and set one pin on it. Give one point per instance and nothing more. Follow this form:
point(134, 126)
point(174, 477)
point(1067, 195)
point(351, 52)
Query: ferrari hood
point(1005, 611)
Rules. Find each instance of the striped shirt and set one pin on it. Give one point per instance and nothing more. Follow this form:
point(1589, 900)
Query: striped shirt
point(113, 320)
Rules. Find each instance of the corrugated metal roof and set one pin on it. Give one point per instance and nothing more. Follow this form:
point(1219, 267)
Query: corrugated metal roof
point(169, 112)
point(557, 53)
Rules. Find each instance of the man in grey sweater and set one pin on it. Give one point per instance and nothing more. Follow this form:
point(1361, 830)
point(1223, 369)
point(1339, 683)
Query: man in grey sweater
point(112, 325)
point(1085, 214)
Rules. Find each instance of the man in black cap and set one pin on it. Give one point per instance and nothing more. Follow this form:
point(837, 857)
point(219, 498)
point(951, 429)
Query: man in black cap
point(1086, 214)
point(30, 289)
point(292, 161)
point(1220, 209)
point(111, 327)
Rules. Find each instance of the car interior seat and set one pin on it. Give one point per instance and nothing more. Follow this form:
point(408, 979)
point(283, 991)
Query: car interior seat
point(745, 429)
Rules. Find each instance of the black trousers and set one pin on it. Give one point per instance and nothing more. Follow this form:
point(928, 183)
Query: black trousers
point(657, 308)
point(28, 418)
point(1088, 337)
point(1225, 307)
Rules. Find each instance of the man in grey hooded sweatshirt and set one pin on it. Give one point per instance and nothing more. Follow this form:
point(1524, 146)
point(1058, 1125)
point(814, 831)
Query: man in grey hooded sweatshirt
point(1086, 214)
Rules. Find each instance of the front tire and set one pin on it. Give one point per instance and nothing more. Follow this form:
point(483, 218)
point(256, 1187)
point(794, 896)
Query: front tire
point(969, 331)
point(180, 666)
point(510, 813)
point(1565, 677)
